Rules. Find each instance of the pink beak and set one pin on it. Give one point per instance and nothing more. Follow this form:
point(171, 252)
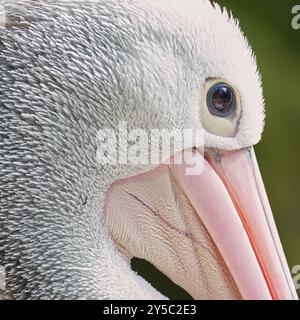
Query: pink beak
point(230, 199)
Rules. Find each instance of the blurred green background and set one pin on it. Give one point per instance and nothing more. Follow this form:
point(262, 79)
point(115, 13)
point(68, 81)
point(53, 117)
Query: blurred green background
point(267, 25)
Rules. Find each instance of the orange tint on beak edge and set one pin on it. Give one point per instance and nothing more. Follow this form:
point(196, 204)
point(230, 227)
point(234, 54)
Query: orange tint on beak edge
point(230, 199)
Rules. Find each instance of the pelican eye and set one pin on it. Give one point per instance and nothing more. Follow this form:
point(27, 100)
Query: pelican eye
point(220, 107)
point(221, 100)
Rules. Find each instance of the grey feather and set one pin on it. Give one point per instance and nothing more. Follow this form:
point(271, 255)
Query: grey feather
point(67, 70)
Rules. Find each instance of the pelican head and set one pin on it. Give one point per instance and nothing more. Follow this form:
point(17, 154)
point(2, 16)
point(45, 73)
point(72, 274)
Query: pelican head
point(70, 223)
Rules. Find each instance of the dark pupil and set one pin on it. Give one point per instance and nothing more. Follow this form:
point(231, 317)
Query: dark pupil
point(222, 97)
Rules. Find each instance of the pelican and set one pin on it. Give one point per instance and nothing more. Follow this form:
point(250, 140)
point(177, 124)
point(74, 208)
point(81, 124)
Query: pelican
point(70, 224)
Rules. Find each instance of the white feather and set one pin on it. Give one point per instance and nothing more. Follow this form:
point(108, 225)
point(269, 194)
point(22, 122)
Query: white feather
point(71, 68)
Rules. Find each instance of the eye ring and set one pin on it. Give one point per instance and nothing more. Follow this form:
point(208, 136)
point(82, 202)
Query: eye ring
point(222, 117)
point(221, 100)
